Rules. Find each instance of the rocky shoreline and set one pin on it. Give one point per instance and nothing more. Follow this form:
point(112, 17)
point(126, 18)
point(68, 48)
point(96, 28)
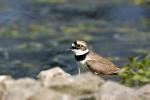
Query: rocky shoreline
point(55, 84)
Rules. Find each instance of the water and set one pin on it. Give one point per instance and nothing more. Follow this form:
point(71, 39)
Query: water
point(35, 36)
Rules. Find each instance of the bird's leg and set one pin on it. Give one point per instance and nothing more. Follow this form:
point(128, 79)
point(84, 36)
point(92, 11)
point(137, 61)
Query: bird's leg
point(79, 70)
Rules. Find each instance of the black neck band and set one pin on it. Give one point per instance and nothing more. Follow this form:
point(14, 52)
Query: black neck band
point(81, 57)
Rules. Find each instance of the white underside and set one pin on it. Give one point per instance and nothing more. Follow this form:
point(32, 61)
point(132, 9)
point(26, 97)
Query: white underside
point(81, 67)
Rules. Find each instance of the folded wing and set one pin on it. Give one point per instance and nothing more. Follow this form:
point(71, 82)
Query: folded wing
point(101, 65)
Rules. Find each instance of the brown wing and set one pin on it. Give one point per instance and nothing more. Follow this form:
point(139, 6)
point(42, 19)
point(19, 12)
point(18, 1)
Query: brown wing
point(101, 65)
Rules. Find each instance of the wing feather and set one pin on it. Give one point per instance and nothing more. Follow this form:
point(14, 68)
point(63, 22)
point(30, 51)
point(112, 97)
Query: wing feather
point(101, 65)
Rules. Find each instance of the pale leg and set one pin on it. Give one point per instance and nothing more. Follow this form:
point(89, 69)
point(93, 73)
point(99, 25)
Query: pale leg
point(79, 70)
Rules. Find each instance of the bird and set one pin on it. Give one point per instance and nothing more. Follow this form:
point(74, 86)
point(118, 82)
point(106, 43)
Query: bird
point(93, 61)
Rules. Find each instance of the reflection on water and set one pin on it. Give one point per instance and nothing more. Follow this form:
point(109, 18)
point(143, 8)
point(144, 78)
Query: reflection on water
point(35, 36)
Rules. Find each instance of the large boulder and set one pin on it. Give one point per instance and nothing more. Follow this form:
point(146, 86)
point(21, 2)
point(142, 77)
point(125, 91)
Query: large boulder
point(115, 91)
point(54, 76)
point(144, 92)
point(5, 77)
point(48, 94)
point(78, 86)
point(21, 89)
point(82, 86)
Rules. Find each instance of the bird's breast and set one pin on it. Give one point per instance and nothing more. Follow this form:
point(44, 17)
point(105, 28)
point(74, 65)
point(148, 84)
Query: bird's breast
point(85, 60)
point(82, 62)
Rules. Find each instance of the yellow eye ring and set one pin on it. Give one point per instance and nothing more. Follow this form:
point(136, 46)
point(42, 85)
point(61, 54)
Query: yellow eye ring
point(78, 45)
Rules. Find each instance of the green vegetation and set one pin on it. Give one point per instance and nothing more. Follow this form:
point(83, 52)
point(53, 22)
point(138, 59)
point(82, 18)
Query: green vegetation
point(136, 72)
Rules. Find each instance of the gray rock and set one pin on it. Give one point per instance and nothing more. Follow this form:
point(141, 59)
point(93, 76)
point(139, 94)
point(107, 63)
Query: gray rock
point(47, 94)
point(82, 87)
point(55, 84)
point(20, 89)
point(54, 76)
point(114, 91)
point(5, 77)
point(78, 87)
point(144, 92)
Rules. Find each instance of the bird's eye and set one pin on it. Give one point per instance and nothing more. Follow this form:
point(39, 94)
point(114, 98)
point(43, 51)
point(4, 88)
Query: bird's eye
point(78, 45)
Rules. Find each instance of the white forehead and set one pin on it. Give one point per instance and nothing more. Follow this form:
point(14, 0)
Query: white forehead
point(80, 42)
point(73, 44)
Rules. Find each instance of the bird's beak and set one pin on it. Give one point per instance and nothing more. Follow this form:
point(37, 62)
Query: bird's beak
point(70, 49)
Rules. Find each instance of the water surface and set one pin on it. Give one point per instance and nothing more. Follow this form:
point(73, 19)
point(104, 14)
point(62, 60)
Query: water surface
point(34, 36)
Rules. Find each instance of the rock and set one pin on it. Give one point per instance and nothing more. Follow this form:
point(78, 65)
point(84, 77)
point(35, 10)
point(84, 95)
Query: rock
point(47, 94)
point(144, 92)
point(3, 92)
point(54, 76)
point(5, 77)
point(82, 86)
point(87, 82)
point(114, 91)
point(55, 84)
point(20, 89)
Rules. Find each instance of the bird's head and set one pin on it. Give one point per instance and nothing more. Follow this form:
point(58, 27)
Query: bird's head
point(79, 47)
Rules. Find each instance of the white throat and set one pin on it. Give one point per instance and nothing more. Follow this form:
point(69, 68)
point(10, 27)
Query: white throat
point(79, 52)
